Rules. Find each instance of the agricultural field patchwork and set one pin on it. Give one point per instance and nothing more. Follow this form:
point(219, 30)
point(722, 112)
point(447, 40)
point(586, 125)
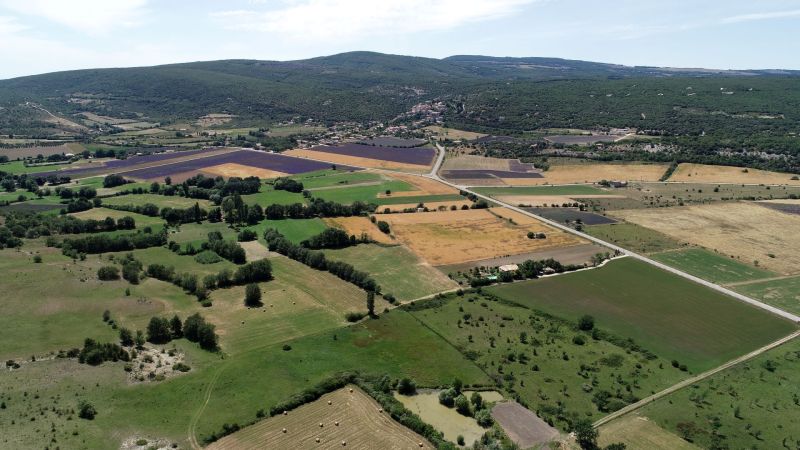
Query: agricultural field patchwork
point(672, 317)
point(744, 230)
point(451, 237)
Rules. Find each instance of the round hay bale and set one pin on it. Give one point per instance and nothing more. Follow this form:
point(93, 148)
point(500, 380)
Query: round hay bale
point(336, 423)
point(330, 402)
point(320, 424)
point(420, 445)
point(286, 413)
point(317, 440)
point(344, 443)
point(284, 430)
point(380, 410)
point(351, 390)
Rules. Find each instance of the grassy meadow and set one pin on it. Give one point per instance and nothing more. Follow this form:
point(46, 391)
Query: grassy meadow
point(711, 266)
point(666, 314)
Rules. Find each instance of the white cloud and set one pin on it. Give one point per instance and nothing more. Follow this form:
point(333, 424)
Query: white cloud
point(90, 16)
point(9, 25)
point(344, 20)
point(762, 16)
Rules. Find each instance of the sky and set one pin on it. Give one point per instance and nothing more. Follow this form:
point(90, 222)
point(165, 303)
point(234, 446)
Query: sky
point(39, 36)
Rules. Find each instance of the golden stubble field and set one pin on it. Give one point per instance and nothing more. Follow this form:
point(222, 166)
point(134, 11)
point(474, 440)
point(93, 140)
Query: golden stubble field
point(591, 173)
point(452, 237)
point(701, 173)
point(745, 230)
point(238, 170)
point(355, 160)
point(346, 418)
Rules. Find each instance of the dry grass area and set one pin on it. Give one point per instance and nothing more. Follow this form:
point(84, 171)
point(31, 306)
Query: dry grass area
point(238, 170)
point(744, 230)
point(452, 134)
point(453, 237)
point(430, 205)
point(547, 200)
point(255, 250)
point(522, 425)
point(591, 173)
point(32, 152)
point(358, 225)
point(354, 160)
point(347, 418)
point(465, 162)
point(639, 432)
point(701, 173)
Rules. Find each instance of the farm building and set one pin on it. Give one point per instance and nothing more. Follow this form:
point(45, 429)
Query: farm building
point(508, 268)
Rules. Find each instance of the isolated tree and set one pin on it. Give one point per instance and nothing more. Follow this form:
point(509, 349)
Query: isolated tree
point(125, 337)
point(406, 386)
point(462, 405)
point(158, 330)
point(176, 327)
point(477, 400)
point(208, 337)
point(371, 303)
point(139, 340)
point(252, 295)
point(585, 434)
point(86, 410)
point(586, 323)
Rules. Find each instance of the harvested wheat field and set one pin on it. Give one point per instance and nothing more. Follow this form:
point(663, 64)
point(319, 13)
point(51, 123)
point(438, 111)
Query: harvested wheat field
point(361, 425)
point(746, 231)
point(355, 160)
point(357, 225)
point(592, 173)
point(432, 206)
point(476, 162)
point(453, 134)
point(702, 173)
point(452, 237)
point(238, 170)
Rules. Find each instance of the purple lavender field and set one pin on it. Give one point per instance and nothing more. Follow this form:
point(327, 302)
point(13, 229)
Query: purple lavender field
point(481, 174)
point(252, 158)
point(417, 155)
point(120, 165)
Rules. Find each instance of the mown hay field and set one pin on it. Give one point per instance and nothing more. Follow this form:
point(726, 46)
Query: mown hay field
point(783, 293)
point(453, 134)
point(664, 313)
point(451, 237)
point(746, 231)
point(346, 418)
point(702, 173)
point(396, 269)
point(228, 170)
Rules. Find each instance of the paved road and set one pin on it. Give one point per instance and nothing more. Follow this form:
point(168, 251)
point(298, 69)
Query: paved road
point(690, 381)
point(777, 311)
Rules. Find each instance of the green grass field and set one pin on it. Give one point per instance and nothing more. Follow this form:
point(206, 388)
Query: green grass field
point(18, 168)
point(577, 189)
point(783, 293)
point(536, 357)
point(102, 213)
point(711, 266)
point(398, 271)
point(328, 178)
point(755, 404)
point(674, 318)
point(162, 201)
point(268, 196)
point(296, 230)
point(633, 237)
point(366, 194)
